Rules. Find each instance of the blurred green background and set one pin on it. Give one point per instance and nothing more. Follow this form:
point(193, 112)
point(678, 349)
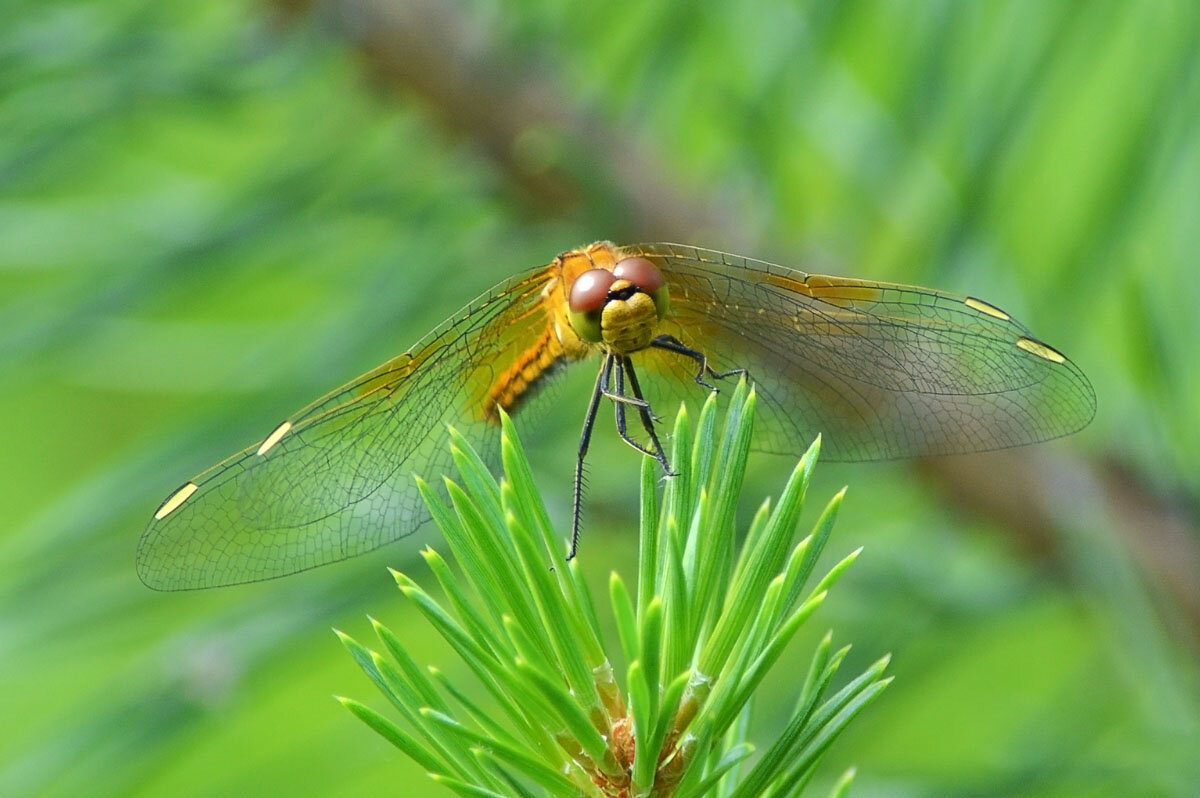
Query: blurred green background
point(212, 212)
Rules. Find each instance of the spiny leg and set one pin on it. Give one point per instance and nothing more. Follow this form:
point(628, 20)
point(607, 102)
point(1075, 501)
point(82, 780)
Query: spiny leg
point(673, 344)
point(619, 403)
point(618, 396)
point(625, 365)
point(589, 421)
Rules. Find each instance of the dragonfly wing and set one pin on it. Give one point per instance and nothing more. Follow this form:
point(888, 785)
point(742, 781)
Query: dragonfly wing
point(881, 370)
point(336, 479)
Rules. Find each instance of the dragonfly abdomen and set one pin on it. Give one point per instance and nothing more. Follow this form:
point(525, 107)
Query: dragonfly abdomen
point(522, 379)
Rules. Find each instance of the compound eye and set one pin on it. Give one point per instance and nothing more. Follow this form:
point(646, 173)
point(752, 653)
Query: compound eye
point(646, 276)
point(590, 290)
point(589, 293)
point(641, 272)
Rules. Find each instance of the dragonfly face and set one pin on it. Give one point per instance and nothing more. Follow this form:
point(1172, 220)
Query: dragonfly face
point(882, 370)
point(595, 301)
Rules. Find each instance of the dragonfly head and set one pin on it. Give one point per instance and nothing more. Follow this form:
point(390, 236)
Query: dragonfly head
point(619, 308)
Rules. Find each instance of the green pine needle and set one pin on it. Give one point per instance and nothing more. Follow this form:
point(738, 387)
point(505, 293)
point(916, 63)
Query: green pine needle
point(712, 614)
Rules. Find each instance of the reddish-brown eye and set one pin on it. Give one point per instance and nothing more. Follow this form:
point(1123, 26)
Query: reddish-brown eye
point(641, 272)
point(589, 292)
point(648, 279)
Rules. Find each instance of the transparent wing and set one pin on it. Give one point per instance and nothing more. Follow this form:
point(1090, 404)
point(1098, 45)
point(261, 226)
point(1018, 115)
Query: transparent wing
point(336, 479)
point(881, 370)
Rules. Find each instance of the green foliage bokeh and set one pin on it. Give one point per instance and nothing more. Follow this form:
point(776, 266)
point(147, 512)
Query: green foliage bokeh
point(210, 214)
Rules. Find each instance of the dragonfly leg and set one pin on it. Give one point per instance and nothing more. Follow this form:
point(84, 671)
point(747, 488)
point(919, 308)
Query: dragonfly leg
point(673, 344)
point(620, 399)
point(619, 406)
point(643, 406)
point(589, 421)
point(625, 366)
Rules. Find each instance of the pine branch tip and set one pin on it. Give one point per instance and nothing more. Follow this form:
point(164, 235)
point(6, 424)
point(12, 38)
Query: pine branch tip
point(552, 669)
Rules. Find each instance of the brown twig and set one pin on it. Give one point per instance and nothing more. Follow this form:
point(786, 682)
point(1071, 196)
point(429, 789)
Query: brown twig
point(561, 160)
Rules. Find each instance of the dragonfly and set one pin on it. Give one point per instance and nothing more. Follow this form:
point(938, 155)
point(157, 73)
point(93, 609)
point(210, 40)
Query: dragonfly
point(881, 370)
